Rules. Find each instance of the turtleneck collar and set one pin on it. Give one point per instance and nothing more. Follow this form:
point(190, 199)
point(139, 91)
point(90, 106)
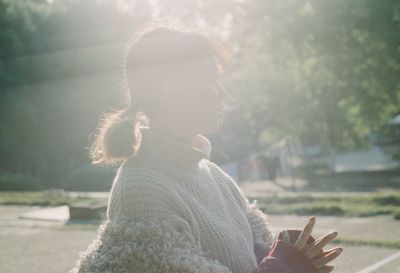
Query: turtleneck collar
point(159, 147)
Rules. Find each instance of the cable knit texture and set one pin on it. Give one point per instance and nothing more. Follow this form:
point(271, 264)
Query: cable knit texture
point(171, 209)
point(262, 235)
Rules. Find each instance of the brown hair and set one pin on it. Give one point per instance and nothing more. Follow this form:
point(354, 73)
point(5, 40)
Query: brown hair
point(154, 52)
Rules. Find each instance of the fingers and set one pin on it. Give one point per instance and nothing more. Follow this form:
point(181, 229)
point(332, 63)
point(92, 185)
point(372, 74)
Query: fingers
point(326, 269)
point(305, 233)
point(320, 262)
point(315, 248)
point(325, 252)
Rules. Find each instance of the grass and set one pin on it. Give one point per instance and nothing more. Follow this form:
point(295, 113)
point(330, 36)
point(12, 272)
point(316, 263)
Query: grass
point(44, 198)
point(370, 204)
point(322, 180)
point(375, 243)
point(94, 225)
point(365, 204)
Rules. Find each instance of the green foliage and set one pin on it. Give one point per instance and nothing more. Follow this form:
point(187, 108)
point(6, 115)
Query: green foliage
point(396, 214)
point(360, 205)
point(19, 182)
point(312, 169)
point(376, 243)
point(319, 210)
point(21, 21)
point(34, 198)
point(50, 102)
point(91, 178)
point(386, 200)
point(54, 197)
point(323, 71)
point(322, 180)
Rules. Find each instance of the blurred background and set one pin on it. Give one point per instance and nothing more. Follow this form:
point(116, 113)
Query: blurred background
point(312, 128)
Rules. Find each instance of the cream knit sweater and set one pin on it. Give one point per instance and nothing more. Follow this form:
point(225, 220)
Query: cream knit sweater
point(173, 210)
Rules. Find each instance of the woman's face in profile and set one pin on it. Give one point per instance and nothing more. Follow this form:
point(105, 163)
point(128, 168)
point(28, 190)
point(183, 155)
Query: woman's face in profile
point(193, 101)
point(204, 104)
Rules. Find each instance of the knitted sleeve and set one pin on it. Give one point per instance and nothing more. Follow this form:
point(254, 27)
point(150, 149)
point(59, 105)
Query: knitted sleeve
point(152, 236)
point(262, 234)
point(261, 229)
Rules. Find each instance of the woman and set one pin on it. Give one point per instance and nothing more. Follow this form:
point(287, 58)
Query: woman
point(170, 208)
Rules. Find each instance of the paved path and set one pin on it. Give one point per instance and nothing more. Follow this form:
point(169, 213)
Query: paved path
point(60, 213)
point(56, 250)
point(50, 246)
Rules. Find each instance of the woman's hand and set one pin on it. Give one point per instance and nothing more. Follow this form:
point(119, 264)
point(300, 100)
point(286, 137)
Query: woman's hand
point(314, 251)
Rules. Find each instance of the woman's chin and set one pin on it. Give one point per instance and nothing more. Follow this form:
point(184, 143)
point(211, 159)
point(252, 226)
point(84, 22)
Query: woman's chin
point(211, 127)
point(210, 124)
